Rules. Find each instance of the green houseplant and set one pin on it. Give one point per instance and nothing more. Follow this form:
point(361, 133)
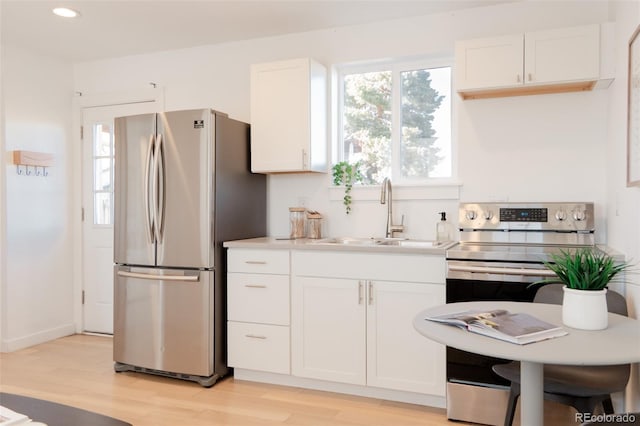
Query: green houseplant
point(585, 273)
point(584, 269)
point(345, 173)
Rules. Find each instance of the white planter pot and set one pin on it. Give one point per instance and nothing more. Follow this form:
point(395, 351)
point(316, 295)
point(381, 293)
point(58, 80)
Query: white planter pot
point(585, 309)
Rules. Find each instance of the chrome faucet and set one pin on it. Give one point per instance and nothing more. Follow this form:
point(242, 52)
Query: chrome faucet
point(386, 198)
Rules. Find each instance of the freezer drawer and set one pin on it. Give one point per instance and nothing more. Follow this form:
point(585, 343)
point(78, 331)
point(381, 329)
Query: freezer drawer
point(164, 319)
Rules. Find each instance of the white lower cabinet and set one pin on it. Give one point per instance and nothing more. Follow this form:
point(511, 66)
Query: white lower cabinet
point(329, 329)
point(258, 347)
point(258, 314)
point(398, 357)
point(352, 316)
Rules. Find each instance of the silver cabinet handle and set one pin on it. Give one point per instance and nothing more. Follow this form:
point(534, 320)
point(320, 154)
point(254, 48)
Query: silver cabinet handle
point(305, 166)
point(188, 278)
point(370, 284)
point(360, 295)
point(255, 286)
point(255, 262)
point(255, 336)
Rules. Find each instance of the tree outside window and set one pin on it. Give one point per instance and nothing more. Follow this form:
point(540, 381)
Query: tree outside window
point(397, 123)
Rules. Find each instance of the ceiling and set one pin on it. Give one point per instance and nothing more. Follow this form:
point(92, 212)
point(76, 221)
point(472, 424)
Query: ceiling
point(117, 28)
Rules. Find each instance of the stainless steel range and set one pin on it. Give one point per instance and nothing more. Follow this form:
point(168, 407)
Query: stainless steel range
point(502, 250)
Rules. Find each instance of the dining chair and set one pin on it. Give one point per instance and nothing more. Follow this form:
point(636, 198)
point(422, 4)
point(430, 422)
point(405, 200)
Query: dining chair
point(583, 388)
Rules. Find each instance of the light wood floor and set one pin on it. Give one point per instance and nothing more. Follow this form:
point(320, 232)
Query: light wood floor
point(78, 371)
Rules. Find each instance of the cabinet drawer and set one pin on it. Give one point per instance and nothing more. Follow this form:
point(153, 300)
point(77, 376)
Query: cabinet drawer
point(259, 347)
point(372, 266)
point(258, 298)
point(258, 261)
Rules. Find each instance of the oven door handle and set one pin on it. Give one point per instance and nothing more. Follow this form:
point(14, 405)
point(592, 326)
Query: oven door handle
point(503, 271)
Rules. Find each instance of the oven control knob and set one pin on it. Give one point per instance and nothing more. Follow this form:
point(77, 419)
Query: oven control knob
point(488, 215)
point(579, 215)
point(561, 215)
point(471, 214)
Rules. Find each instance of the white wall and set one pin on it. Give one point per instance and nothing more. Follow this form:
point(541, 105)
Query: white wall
point(623, 203)
point(3, 203)
point(37, 299)
point(560, 138)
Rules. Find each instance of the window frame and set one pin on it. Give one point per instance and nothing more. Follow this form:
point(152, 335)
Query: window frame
point(396, 67)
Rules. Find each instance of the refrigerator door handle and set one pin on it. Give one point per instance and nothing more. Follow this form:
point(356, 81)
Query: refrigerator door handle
point(161, 188)
point(157, 188)
point(147, 190)
point(186, 278)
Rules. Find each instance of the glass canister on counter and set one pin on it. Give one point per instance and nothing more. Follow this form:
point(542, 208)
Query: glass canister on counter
point(297, 222)
point(314, 224)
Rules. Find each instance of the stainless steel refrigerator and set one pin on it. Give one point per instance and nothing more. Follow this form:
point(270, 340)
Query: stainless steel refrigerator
point(182, 187)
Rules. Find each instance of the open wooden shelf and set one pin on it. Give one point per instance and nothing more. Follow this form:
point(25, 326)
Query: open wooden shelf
point(32, 158)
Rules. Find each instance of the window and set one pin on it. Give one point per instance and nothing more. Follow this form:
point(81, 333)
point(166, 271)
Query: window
point(395, 120)
point(102, 174)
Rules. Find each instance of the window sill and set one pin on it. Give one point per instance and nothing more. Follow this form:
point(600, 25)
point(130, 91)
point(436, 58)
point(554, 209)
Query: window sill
point(433, 191)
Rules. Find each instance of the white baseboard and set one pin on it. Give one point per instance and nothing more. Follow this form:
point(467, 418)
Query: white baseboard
point(11, 345)
point(366, 391)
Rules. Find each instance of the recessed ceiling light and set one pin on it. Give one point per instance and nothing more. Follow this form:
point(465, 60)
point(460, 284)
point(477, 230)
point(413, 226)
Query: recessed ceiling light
point(66, 12)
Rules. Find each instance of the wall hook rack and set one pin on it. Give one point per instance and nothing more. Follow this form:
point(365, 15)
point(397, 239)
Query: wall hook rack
point(32, 163)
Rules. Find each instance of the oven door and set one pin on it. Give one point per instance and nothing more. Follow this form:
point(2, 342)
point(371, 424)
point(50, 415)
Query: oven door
point(474, 392)
point(470, 368)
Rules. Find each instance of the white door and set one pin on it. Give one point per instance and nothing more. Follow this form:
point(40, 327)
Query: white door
point(97, 201)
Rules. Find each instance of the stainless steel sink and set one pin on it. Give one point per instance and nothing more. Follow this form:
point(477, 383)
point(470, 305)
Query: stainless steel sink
point(348, 241)
point(412, 243)
point(393, 242)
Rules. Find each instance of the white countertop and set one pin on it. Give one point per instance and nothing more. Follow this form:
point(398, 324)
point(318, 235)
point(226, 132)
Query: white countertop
point(310, 244)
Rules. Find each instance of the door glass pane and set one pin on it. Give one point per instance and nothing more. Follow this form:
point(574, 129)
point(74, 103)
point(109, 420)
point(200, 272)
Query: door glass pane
point(103, 163)
point(102, 175)
point(102, 140)
point(102, 208)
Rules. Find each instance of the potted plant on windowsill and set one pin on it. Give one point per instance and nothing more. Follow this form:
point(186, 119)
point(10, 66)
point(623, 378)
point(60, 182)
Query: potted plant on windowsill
point(585, 273)
point(346, 174)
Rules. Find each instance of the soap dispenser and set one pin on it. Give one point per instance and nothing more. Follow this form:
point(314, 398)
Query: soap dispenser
point(443, 228)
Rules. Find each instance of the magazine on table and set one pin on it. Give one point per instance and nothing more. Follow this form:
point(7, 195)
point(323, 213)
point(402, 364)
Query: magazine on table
point(11, 418)
point(517, 328)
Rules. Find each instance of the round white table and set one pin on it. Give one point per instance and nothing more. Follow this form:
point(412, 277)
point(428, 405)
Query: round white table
point(619, 343)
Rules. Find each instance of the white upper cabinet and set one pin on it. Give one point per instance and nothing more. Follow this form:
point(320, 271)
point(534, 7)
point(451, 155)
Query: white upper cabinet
point(563, 55)
point(551, 61)
point(288, 117)
point(489, 62)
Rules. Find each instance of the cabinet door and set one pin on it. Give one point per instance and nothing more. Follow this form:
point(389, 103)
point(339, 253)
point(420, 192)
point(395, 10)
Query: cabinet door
point(280, 116)
point(398, 357)
point(489, 62)
point(328, 329)
point(562, 55)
